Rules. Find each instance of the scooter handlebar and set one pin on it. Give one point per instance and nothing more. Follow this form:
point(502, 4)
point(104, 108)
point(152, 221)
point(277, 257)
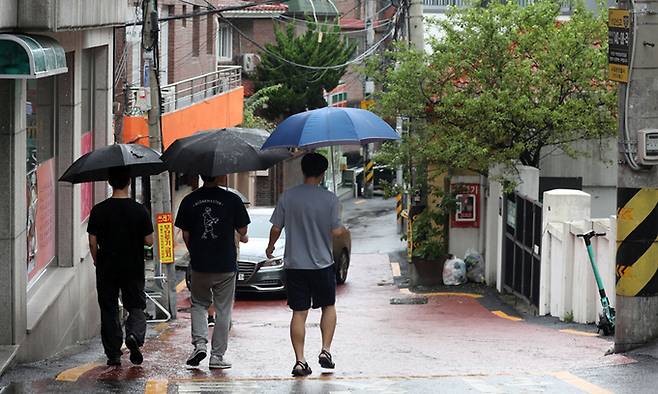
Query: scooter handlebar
point(591, 234)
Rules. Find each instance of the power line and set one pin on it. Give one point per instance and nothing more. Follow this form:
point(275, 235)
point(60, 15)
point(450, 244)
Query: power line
point(282, 18)
point(357, 59)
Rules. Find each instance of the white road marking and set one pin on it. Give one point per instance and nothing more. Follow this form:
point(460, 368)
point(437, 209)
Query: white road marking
point(481, 386)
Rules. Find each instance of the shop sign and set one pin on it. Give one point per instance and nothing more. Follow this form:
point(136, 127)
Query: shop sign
point(165, 237)
point(619, 44)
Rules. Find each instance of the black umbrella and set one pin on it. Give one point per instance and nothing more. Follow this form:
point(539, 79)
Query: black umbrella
point(94, 165)
point(221, 152)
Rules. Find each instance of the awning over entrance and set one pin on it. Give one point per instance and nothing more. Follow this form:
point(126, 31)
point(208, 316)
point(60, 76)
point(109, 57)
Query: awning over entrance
point(30, 57)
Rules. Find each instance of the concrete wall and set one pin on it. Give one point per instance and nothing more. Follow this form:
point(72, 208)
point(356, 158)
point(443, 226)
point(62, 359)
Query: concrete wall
point(463, 239)
point(597, 166)
point(8, 14)
point(61, 15)
point(60, 308)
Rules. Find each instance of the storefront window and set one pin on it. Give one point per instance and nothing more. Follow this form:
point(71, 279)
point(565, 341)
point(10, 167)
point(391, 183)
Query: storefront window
point(41, 190)
point(87, 142)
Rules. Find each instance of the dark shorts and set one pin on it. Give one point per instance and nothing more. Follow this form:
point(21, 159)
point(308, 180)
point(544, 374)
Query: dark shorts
point(304, 286)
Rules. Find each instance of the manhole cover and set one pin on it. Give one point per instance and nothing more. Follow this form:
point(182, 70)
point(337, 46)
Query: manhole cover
point(409, 301)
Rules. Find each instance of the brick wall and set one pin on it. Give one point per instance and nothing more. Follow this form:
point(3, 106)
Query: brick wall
point(182, 63)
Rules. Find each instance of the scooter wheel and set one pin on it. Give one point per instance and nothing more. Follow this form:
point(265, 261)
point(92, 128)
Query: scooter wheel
point(605, 326)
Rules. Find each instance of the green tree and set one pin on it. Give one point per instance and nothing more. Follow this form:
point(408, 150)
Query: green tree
point(256, 103)
point(500, 84)
point(302, 88)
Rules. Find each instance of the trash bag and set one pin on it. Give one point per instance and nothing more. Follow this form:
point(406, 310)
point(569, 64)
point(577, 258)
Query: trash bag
point(454, 272)
point(474, 266)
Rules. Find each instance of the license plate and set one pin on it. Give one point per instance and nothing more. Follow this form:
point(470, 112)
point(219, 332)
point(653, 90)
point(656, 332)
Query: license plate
point(240, 276)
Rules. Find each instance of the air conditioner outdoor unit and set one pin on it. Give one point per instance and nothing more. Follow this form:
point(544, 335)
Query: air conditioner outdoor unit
point(249, 62)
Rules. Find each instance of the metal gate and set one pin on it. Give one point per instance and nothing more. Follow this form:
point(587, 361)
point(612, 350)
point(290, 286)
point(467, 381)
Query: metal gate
point(522, 247)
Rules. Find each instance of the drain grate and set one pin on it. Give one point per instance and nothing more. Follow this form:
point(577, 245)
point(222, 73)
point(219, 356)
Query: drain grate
point(409, 301)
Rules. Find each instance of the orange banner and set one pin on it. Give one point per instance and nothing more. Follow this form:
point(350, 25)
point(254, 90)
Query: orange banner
point(165, 237)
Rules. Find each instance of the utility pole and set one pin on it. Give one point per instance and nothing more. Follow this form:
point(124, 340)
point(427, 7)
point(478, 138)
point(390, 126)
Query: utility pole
point(160, 193)
point(369, 87)
point(632, 63)
point(416, 33)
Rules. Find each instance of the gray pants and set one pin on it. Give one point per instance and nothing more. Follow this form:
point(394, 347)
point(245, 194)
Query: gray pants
point(217, 289)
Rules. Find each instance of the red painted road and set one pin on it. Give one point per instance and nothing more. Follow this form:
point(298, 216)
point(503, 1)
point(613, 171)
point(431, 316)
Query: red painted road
point(448, 336)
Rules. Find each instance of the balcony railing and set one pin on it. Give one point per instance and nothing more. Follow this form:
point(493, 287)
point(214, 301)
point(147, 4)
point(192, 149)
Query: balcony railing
point(193, 90)
point(442, 6)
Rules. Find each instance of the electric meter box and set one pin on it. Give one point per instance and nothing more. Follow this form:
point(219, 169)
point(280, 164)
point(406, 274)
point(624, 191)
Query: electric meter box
point(647, 147)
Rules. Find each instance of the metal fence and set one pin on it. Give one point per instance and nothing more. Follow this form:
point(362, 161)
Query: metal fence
point(193, 90)
point(522, 247)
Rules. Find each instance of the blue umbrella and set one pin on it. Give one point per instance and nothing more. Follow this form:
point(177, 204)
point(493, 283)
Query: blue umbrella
point(330, 126)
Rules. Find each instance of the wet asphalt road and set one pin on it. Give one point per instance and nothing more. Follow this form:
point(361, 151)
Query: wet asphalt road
point(449, 344)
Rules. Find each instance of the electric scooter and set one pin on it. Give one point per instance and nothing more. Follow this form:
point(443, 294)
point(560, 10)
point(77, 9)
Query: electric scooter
point(607, 318)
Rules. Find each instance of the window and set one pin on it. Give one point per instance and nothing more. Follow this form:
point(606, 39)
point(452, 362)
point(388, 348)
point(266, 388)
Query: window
point(224, 43)
point(195, 31)
point(210, 34)
point(184, 13)
point(41, 186)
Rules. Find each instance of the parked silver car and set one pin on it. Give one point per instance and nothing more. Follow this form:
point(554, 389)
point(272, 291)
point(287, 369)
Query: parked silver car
point(258, 274)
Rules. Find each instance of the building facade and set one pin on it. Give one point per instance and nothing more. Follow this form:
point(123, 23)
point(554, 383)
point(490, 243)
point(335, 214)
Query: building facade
point(56, 105)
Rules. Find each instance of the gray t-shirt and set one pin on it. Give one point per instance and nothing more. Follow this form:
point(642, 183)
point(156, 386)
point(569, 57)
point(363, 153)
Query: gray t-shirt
point(307, 213)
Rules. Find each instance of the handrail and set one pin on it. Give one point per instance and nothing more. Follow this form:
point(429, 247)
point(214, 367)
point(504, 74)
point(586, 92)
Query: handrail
point(192, 90)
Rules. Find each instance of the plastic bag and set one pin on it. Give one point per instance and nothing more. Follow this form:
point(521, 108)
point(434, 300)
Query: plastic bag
point(474, 266)
point(454, 272)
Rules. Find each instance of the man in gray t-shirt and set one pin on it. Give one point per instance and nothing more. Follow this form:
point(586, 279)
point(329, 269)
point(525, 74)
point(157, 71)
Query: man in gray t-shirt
point(310, 216)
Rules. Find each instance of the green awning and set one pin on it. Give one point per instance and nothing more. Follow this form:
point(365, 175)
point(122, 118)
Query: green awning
point(30, 57)
point(322, 8)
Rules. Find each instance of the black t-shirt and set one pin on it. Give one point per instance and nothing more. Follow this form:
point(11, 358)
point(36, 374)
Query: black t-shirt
point(211, 215)
point(120, 225)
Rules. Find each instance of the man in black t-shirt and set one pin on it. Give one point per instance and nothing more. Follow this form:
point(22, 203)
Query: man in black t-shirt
point(209, 218)
point(118, 228)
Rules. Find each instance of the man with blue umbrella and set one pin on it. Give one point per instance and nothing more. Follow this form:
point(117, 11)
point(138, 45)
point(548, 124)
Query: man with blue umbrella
point(310, 216)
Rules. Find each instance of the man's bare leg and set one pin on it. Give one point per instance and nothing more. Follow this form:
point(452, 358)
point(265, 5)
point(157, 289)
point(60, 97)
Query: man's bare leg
point(298, 333)
point(328, 326)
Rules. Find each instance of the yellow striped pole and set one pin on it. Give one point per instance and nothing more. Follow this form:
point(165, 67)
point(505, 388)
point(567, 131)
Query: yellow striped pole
point(369, 176)
point(637, 242)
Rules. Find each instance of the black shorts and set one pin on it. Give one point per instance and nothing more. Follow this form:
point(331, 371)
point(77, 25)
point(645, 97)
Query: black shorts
point(304, 286)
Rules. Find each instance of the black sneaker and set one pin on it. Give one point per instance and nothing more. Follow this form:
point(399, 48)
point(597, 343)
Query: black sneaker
point(211, 321)
point(301, 369)
point(136, 356)
point(196, 357)
point(114, 361)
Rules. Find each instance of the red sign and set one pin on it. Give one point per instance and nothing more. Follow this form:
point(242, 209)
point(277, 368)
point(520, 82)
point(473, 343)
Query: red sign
point(467, 212)
point(86, 189)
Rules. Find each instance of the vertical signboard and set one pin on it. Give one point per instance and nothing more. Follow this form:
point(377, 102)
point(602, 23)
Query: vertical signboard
point(165, 238)
point(619, 44)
